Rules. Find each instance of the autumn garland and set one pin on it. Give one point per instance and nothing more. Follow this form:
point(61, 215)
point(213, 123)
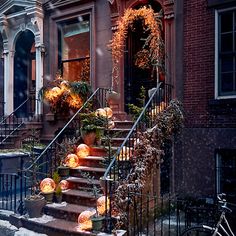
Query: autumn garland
point(147, 152)
point(151, 24)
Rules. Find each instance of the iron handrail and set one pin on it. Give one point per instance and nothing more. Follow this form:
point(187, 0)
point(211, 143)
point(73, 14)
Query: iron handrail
point(7, 117)
point(63, 129)
point(114, 159)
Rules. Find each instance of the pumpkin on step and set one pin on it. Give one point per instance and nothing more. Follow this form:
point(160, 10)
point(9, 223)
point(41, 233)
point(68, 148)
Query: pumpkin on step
point(72, 160)
point(82, 150)
point(84, 220)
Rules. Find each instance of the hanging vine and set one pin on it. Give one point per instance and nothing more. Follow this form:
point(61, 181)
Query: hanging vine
point(153, 47)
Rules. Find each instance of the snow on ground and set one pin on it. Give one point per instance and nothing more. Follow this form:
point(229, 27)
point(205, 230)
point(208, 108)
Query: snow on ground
point(43, 219)
point(6, 224)
point(7, 229)
point(26, 232)
point(63, 204)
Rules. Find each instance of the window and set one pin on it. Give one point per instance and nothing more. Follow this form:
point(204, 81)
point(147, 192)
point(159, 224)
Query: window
point(74, 49)
point(226, 173)
point(226, 54)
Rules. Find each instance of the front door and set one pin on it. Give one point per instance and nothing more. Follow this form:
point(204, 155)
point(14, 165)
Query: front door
point(22, 73)
point(135, 77)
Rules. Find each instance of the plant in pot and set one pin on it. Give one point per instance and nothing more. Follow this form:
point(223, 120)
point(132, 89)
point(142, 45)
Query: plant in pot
point(35, 201)
point(97, 217)
point(92, 127)
point(58, 190)
point(64, 96)
point(63, 149)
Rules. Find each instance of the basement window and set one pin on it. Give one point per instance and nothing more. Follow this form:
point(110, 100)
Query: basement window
point(226, 173)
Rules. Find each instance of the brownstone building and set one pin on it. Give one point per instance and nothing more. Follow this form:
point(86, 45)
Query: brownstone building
point(39, 38)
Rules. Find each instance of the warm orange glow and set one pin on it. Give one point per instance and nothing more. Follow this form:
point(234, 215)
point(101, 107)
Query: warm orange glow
point(109, 112)
point(82, 150)
point(100, 112)
point(111, 124)
point(50, 95)
point(64, 184)
point(72, 160)
point(84, 220)
point(101, 205)
point(125, 154)
point(158, 109)
point(47, 185)
point(74, 101)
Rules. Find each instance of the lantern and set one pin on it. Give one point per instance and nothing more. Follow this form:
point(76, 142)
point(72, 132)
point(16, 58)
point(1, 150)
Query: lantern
point(72, 160)
point(84, 220)
point(101, 205)
point(109, 112)
point(64, 184)
point(125, 154)
point(100, 112)
point(82, 150)
point(47, 185)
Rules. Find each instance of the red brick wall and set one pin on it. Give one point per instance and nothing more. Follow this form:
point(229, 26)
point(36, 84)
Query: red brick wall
point(198, 61)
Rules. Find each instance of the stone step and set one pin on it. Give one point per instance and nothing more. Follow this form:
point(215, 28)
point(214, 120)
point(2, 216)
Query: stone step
point(92, 161)
point(78, 183)
point(95, 172)
point(119, 132)
point(127, 124)
point(50, 226)
point(85, 198)
point(65, 210)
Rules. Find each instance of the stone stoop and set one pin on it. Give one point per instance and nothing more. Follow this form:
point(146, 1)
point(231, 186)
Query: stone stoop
point(61, 219)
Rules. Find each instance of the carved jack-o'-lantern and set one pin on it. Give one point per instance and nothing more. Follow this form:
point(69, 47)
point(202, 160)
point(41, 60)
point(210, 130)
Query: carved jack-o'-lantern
point(100, 112)
point(72, 160)
point(84, 220)
point(109, 112)
point(64, 184)
point(82, 150)
point(101, 205)
point(47, 185)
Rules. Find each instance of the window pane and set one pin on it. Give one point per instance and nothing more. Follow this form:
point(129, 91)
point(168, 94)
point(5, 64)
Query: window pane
point(227, 82)
point(75, 40)
point(227, 63)
point(226, 42)
point(77, 70)
point(227, 21)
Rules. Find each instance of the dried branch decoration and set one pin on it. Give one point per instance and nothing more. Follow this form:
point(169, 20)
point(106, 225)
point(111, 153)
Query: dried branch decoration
point(152, 24)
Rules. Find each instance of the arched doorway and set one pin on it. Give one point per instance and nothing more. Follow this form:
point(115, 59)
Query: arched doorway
point(24, 72)
point(134, 77)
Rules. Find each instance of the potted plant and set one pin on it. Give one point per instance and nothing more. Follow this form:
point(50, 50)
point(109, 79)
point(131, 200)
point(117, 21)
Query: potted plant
point(34, 202)
point(63, 96)
point(58, 191)
point(92, 127)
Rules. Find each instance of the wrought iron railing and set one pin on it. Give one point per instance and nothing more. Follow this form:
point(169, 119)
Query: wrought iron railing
point(50, 155)
point(13, 189)
point(120, 164)
point(11, 124)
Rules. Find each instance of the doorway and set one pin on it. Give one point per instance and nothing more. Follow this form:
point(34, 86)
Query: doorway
point(24, 73)
point(134, 77)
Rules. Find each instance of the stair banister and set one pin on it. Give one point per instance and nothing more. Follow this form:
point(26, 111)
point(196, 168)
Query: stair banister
point(62, 130)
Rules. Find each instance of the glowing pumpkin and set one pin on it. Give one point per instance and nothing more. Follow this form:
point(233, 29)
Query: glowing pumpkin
point(111, 124)
point(64, 184)
point(100, 112)
point(82, 150)
point(47, 185)
point(72, 160)
point(84, 220)
point(101, 205)
point(109, 112)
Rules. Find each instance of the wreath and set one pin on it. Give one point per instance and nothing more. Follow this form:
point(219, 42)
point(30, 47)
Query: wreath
point(153, 48)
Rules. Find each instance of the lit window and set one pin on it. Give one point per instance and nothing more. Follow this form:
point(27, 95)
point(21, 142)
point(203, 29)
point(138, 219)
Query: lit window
point(226, 53)
point(74, 49)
